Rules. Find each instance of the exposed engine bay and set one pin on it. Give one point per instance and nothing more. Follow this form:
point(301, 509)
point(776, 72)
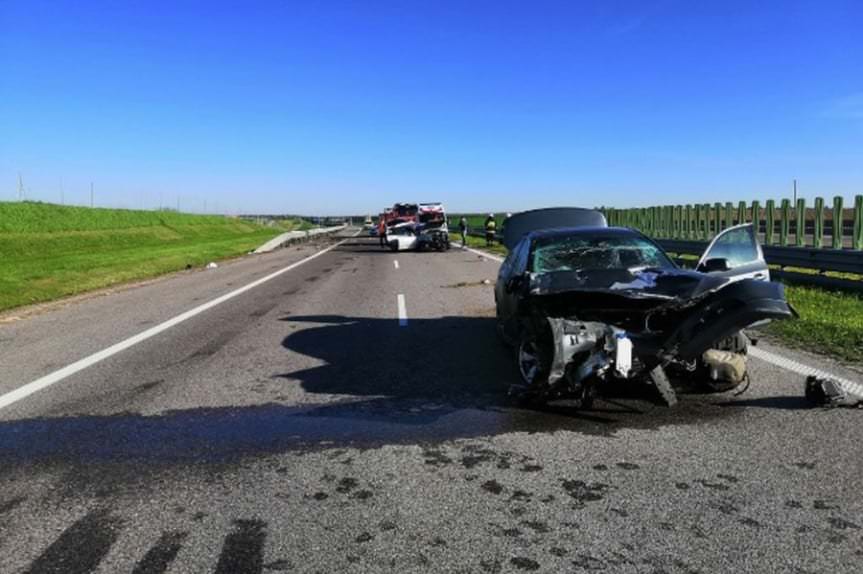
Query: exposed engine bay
point(582, 329)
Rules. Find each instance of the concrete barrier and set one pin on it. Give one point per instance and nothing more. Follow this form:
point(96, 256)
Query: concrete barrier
point(296, 236)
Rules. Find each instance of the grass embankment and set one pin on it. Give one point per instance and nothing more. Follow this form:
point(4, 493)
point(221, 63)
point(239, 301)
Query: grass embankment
point(50, 251)
point(830, 322)
point(479, 243)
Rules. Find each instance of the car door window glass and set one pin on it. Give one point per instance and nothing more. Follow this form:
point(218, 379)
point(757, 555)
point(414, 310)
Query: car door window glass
point(737, 246)
point(520, 263)
point(506, 266)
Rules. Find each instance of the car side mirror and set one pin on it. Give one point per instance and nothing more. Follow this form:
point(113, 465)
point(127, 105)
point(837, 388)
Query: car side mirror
point(514, 283)
point(714, 264)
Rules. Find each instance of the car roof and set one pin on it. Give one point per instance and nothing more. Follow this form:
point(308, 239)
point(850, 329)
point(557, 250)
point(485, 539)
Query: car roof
point(525, 222)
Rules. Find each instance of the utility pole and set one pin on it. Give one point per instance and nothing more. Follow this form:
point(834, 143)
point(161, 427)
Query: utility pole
point(20, 187)
point(795, 191)
point(91, 194)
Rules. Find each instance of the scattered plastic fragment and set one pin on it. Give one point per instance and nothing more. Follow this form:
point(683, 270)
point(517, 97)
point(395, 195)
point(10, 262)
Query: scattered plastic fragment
point(211, 265)
point(829, 393)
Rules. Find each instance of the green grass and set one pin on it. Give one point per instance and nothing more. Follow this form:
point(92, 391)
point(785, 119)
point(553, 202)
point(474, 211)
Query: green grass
point(830, 322)
point(479, 243)
point(475, 221)
point(49, 251)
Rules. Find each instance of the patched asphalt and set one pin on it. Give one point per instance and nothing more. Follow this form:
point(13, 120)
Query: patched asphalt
point(299, 428)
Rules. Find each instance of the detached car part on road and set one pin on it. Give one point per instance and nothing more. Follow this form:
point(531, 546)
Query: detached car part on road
point(585, 304)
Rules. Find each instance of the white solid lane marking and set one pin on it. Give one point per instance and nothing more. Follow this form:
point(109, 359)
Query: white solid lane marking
point(403, 311)
point(57, 376)
point(478, 252)
point(396, 263)
point(805, 370)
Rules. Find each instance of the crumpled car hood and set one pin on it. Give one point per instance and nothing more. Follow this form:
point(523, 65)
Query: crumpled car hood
point(666, 311)
point(660, 284)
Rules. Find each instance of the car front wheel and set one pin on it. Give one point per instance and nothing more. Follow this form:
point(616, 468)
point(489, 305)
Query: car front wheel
point(532, 362)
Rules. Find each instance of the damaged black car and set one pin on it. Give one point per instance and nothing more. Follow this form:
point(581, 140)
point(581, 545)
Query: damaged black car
point(584, 304)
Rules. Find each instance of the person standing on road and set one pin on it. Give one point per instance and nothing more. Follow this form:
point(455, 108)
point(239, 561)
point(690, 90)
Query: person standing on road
point(382, 232)
point(490, 229)
point(462, 229)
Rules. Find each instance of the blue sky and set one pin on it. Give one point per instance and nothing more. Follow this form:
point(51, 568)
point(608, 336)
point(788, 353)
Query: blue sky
point(333, 107)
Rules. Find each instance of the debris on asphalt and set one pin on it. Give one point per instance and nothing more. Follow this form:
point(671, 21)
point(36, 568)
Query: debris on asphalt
point(826, 392)
point(211, 265)
point(725, 365)
point(461, 284)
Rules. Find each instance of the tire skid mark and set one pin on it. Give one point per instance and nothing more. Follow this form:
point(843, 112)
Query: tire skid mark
point(81, 547)
point(162, 554)
point(10, 505)
point(243, 551)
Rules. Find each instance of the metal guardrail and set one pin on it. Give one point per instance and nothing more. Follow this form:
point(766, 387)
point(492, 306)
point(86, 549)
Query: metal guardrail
point(820, 260)
point(783, 223)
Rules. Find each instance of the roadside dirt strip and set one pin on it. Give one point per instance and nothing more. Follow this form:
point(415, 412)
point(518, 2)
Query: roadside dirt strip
point(349, 415)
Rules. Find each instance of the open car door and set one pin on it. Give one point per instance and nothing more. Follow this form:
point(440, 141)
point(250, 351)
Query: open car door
point(735, 253)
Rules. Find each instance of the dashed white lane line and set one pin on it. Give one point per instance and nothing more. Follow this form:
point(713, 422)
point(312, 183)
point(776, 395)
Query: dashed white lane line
point(57, 376)
point(403, 311)
point(396, 263)
point(805, 370)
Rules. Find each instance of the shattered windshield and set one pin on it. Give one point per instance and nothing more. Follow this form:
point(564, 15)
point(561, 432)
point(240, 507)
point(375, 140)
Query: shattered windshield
point(571, 253)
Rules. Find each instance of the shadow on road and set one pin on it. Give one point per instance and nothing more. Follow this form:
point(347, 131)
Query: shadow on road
point(458, 362)
point(434, 380)
point(455, 359)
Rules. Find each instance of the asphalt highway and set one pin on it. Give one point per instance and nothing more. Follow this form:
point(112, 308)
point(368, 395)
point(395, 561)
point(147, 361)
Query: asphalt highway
point(348, 414)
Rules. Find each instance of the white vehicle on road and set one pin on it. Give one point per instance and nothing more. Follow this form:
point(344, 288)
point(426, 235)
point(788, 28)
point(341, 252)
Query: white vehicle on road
point(403, 236)
point(429, 232)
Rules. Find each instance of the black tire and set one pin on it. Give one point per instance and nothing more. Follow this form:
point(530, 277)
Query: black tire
point(532, 361)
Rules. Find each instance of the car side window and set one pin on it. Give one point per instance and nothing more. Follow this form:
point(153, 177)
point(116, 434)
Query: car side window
point(737, 246)
point(506, 266)
point(521, 256)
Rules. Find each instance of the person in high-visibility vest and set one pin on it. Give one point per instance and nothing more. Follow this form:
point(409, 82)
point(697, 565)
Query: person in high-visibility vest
point(490, 229)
